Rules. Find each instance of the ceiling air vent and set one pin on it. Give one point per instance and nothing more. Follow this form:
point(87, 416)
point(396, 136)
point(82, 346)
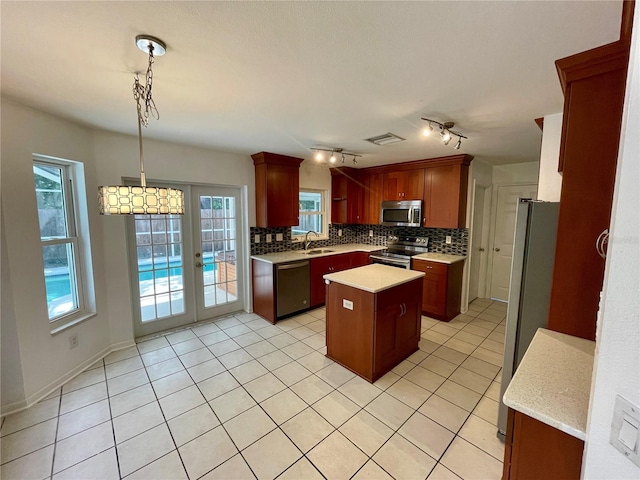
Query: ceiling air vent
point(386, 139)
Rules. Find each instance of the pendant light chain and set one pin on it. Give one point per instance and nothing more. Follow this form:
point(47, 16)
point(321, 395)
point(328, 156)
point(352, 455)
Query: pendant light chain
point(144, 93)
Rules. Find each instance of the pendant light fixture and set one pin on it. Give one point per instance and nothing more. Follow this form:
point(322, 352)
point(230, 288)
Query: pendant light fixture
point(140, 199)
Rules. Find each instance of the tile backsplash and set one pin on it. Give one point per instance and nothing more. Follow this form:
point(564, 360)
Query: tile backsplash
point(360, 234)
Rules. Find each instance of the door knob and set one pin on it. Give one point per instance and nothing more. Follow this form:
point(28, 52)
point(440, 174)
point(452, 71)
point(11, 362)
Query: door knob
point(198, 265)
point(481, 249)
point(497, 249)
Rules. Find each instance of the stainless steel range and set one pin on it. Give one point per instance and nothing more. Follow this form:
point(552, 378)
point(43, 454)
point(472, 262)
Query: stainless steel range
point(400, 250)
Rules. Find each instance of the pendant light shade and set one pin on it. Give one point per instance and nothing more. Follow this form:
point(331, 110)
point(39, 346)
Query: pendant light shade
point(137, 200)
point(141, 199)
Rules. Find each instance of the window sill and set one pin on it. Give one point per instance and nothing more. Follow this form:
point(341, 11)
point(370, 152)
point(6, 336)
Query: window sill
point(72, 323)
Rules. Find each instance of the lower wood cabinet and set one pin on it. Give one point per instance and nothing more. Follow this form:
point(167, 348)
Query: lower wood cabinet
point(535, 450)
point(442, 288)
point(320, 267)
point(377, 332)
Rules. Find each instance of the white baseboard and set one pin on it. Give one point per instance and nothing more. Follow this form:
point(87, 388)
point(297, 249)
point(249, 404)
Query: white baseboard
point(60, 381)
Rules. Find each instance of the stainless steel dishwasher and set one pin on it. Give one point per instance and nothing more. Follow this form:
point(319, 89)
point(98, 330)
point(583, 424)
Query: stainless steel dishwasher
point(292, 284)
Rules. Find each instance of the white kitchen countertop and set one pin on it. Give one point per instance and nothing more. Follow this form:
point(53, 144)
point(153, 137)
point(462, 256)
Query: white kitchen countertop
point(440, 257)
point(374, 278)
point(293, 255)
point(553, 381)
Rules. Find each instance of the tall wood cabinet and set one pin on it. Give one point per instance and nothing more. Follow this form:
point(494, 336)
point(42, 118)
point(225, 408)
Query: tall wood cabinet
point(277, 189)
point(594, 86)
point(445, 193)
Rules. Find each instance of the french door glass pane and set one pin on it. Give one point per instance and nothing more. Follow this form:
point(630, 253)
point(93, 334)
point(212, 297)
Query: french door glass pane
point(60, 279)
point(218, 247)
point(160, 266)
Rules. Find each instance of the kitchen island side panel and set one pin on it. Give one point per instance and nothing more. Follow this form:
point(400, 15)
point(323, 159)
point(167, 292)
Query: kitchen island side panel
point(349, 333)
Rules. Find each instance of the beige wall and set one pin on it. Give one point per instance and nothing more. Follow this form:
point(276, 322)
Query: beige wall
point(549, 180)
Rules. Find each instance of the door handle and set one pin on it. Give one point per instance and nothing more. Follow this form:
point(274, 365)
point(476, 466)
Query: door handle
point(497, 249)
point(198, 265)
point(481, 249)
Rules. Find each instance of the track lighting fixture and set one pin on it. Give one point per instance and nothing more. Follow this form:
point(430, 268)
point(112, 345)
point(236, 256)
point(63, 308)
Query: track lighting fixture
point(319, 155)
point(445, 132)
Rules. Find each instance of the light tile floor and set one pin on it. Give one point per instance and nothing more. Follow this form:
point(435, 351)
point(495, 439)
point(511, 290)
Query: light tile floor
point(240, 398)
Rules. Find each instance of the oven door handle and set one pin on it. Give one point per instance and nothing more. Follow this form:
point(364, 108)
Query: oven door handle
point(390, 260)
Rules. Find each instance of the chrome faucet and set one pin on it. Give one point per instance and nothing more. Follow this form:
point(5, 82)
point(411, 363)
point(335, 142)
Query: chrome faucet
point(306, 239)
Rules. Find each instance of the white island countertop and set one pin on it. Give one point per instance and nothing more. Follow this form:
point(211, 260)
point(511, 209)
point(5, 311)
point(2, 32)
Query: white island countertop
point(373, 278)
point(439, 257)
point(553, 382)
point(294, 255)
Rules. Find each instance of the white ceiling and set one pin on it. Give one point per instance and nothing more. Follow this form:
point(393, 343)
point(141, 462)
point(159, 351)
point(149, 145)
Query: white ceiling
point(285, 76)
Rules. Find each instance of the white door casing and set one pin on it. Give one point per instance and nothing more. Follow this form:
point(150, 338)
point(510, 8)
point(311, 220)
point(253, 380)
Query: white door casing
point(478, 246)
point(506, 201)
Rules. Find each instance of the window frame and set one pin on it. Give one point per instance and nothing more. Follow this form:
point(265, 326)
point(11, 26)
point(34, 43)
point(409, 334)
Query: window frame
point(72, 174)
point(324, 235)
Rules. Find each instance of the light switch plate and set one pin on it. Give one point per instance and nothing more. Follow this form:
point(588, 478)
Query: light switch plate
point(625, 429)
point(256, 239)
point(348, 304)
point(371, 233)
point(339, 232)
point(268, 238)
point(448, 240)
point(278, 237)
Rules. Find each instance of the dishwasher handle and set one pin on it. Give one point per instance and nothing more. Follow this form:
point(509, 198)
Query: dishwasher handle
point(289, 266)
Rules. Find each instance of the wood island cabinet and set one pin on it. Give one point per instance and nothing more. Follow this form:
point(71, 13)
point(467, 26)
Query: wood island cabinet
point(445, 193)
point(404, 185)
point(442, 288)
point(377, 331)
point(277, 190)
point(347, 196)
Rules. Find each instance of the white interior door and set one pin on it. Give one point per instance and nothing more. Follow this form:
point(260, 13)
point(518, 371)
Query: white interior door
point(217, 251)
point(183, 267)
point(478, 249)
point(505, 221)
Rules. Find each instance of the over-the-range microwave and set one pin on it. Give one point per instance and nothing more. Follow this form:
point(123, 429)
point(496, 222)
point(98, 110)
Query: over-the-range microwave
point(404, 213)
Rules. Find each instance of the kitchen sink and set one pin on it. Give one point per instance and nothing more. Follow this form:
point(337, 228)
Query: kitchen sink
point(318, 251)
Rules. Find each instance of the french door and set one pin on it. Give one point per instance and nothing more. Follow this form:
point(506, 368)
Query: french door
point(188, 267)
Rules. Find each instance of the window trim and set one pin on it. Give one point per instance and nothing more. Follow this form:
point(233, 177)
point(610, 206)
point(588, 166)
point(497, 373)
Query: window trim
point(77, 236)
point(324, 212)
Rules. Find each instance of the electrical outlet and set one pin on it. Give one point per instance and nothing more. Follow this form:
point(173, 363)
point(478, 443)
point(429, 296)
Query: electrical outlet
point(278, 237)
point(256, 239)
point(371, 233)
point(448, 240)
point(339, 232)
point(73, 341)
point(268, 238)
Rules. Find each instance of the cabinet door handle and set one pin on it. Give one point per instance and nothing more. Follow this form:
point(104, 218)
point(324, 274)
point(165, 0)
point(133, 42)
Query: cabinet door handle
point(429, 268)
point(601, 243)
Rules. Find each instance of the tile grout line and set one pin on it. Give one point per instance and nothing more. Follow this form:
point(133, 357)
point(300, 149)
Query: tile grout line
point(113, 428)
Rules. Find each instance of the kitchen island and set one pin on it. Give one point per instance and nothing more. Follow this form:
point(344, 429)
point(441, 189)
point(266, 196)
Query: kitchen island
point(373, 318)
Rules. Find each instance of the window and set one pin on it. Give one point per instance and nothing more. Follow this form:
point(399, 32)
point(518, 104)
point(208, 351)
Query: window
point(61, 244)
point(312, 213)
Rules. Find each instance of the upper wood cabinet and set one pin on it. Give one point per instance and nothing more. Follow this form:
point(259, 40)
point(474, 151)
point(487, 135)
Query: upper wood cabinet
point(277, 189)
point(403, 185)
point(594, 86)
point(445, 193)
point(373, 195)
point(347, 196)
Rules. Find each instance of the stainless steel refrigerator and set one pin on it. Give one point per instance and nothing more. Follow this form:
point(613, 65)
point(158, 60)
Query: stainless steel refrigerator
point(534, 248)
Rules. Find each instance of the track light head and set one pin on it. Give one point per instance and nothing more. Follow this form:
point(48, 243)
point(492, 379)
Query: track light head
point(319, 156)
point(427, 130)
point(458, 144)
point(446, 137)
